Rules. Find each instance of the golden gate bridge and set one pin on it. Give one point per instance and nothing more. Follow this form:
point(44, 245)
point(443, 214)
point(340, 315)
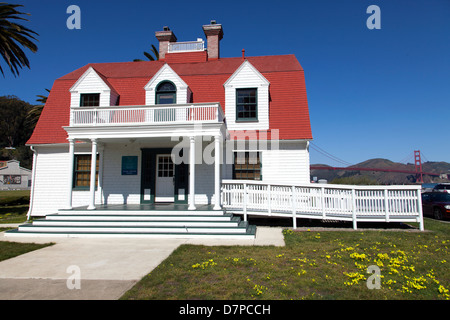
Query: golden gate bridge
point(418, 172)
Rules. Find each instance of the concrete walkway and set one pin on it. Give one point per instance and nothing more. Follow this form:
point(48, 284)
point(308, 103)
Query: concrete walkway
point(102, 268)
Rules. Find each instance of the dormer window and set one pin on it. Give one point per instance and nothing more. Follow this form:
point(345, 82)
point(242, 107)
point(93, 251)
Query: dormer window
point(166, 93)
point(166, 87)
point(89, 99)
point(247, 99)
point(92, 89)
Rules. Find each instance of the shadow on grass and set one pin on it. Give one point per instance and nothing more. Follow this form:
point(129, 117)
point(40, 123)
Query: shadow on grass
point(326, 224)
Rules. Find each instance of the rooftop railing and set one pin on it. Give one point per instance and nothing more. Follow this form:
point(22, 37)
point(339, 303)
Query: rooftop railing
point(187, 46)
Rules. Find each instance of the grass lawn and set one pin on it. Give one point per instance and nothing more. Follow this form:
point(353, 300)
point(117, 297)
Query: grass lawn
point(14, 206)
point(13, 209)
point(13, 249)
point(313, 265)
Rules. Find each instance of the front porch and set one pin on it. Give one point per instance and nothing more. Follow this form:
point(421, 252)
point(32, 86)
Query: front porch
point(162, 168)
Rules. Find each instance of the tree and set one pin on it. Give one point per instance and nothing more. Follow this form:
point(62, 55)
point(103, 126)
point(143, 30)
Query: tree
point(13, 36)
point(13, 112)
point(15, 133)
point(355, 180)
point(149, 56)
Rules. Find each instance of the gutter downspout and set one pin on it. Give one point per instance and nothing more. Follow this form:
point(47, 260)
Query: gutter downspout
point(33, 182)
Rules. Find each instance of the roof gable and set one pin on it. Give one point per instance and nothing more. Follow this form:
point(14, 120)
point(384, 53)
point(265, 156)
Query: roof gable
point(91, 78)
point(246, 70)
point(165, 73)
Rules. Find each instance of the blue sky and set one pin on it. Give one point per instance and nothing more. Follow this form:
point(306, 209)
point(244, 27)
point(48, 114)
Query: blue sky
point(371, 93)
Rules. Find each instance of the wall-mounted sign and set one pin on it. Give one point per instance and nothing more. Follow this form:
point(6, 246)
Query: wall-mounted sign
point(129, 165)
point(12, 179)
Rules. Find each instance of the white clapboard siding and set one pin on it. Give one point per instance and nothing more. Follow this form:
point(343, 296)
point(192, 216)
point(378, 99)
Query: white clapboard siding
point(50, 180)
point(289, 164)
point(50, 184)
point(118, 188)
point(282, 161)
point(246, 76)
point(121, 189)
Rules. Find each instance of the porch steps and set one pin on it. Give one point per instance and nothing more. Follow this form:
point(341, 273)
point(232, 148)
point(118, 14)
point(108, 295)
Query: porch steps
point(109, 212)
point(158, 224)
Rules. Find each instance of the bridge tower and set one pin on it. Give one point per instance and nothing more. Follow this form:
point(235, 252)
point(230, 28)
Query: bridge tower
point(418, 165)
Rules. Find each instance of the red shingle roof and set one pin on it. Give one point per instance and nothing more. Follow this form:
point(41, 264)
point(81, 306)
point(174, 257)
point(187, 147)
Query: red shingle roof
point(288, 101)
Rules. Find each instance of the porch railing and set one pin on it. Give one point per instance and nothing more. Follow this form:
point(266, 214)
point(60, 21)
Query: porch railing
point(327, 202)
point(146, 115)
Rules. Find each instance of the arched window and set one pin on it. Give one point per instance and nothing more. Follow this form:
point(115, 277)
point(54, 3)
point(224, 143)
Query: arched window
point(166, 93)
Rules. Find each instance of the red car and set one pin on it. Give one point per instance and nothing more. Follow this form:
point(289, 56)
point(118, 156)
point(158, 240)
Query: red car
point(436, 204)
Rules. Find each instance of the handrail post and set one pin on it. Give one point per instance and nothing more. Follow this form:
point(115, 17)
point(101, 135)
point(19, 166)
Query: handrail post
point(269, 199)
point(322, 200)
point(245, 201)
point(419, 210)
point(95, 117)
point(354, 209)
point(386, 204)
point(294, 213)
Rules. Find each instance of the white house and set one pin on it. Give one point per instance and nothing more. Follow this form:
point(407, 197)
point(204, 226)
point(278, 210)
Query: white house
point(13, 176)
point(136, 135)
point(141, 121)
point(175, 147)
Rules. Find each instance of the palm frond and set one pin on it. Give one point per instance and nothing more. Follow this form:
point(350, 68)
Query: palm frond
point(150, 56)
point(34, 112)
point(13, 36)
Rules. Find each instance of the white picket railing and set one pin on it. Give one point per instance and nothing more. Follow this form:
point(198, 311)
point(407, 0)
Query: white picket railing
point(186, 46)
point(324, 201)
point(146, 115)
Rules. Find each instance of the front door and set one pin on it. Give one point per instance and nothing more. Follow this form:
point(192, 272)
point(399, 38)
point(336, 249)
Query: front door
point(161, 179)
point(165, 175)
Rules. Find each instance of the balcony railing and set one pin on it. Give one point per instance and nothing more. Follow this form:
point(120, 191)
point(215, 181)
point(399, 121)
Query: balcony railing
point(147, 115)
point(186, 46)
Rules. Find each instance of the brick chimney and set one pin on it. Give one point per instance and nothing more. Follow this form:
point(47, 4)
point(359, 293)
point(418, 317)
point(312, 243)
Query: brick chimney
point(214, 33)
point(164, 38)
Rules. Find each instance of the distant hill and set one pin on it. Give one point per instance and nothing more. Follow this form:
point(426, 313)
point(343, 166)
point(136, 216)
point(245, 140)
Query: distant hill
point(385, 177)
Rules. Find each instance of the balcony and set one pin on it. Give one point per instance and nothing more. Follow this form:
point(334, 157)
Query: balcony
point(157, 115)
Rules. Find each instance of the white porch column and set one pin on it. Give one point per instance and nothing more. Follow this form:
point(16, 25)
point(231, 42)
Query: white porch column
point(70, 169)
point(93, 167)
point(191, 173)
point(217, 157)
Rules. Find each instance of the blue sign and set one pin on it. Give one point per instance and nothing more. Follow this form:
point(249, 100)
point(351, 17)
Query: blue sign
point(129, 165)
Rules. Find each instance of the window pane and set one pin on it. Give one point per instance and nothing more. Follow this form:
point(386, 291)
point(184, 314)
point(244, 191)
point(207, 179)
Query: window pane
point(82, 174)
point(246, 104)
point(90, 100)
point(166, 86)
point(166, 98)
point(247, 166)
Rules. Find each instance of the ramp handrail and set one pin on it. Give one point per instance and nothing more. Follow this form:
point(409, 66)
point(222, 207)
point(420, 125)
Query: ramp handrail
point(324, 201)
